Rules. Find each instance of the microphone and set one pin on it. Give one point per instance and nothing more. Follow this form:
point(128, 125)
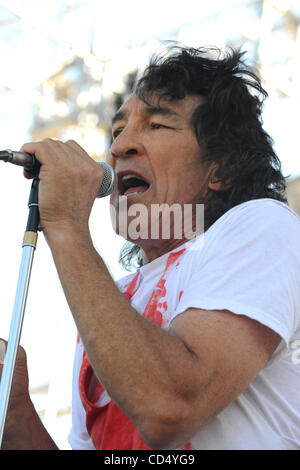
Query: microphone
point(32, 165)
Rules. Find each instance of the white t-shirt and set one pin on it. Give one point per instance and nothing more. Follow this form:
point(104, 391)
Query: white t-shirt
point(247, 262)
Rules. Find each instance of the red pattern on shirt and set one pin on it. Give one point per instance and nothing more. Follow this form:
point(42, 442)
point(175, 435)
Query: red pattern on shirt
point(108, 426)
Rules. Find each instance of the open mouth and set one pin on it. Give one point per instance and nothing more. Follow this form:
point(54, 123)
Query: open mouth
point(131, 183)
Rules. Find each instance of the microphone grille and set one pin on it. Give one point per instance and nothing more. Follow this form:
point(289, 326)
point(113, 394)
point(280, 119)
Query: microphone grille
point(109, 181)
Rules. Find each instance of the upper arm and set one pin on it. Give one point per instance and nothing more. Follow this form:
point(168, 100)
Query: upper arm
point(228, 352)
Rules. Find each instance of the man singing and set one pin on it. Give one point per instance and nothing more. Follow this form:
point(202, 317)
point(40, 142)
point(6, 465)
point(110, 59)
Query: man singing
point(195, 349)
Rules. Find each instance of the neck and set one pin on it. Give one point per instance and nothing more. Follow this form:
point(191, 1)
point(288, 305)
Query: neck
point(154, 248)
point(151, 252)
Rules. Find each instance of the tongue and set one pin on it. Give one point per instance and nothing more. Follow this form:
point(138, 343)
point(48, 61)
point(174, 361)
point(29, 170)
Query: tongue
point(137, 189)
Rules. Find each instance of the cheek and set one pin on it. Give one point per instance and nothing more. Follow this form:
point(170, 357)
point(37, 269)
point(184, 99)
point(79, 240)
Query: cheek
point(111, 161)
point(182, 168)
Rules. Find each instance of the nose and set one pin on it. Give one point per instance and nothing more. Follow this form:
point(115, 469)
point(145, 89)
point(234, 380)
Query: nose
point(125, 146)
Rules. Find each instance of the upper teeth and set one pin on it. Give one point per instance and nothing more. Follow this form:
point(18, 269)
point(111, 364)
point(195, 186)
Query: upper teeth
point(130, 175)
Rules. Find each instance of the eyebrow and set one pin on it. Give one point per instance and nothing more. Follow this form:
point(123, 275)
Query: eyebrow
point(148, 111)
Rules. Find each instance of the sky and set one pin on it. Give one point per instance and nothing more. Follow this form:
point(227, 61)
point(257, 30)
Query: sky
point(35, 47)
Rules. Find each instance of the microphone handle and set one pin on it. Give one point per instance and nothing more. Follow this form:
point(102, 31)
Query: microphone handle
point(27, 160)
point(32, 166)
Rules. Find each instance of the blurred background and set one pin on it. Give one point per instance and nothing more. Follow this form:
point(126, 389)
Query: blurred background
point(65, 66)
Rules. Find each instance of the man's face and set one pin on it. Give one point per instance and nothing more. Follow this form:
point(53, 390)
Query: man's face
point(156, 144)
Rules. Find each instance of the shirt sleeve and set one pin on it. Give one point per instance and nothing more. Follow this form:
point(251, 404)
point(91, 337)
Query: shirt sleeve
point(250, 266)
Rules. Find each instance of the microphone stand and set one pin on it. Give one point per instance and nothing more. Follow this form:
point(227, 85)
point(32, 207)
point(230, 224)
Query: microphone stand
point(28, 248)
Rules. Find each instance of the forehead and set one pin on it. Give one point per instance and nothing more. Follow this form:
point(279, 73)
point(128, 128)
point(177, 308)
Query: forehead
point(175, 109)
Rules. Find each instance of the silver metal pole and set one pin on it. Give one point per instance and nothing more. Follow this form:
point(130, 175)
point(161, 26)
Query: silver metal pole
point(15, 333)
point(28, 248)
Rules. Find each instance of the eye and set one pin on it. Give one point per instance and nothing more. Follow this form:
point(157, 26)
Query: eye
point(116, 132)
point(155, 125)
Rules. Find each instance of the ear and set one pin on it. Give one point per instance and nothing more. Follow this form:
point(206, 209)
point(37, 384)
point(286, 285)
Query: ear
point(214, 183)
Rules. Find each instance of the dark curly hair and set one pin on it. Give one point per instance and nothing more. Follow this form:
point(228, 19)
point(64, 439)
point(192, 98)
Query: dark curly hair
point(228, 125)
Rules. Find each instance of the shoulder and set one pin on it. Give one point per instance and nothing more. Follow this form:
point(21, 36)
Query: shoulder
point(257, 208)
point(259, 216)
point(260, 225)
point(249, 264)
